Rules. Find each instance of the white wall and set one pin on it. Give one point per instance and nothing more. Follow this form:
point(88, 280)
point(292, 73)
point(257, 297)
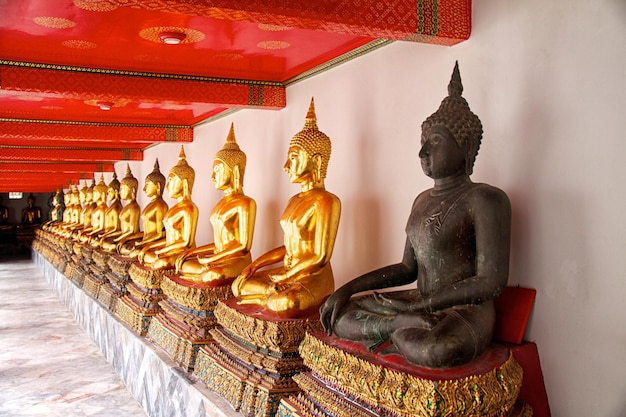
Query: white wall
point(547, 80)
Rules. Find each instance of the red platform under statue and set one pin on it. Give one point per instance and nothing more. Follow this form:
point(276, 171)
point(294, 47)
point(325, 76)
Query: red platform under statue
point(347, 379)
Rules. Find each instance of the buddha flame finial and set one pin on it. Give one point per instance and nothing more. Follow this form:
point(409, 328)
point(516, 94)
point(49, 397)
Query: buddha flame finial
point(311, 119)
point(455, 87)
point(231, 134)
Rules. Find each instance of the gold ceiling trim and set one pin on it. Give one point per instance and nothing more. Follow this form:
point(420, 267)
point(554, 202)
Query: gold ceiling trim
point(365, 49)
point(139, 73)
point(98, 124)
point(69, 148)
point(369, 47)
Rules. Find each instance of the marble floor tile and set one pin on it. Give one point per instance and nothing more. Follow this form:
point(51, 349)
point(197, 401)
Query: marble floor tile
point(48, 365)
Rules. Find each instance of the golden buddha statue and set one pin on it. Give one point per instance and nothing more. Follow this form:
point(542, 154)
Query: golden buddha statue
point(232, 219)
point(66, 214)
point(58, 210)
point(128, 216)
point(112, 223)
point(31, 214)
point(81, 206)
point(309, 223)
point(77, 205)
point(98, 195)
point(151, 216)
point(180, 221)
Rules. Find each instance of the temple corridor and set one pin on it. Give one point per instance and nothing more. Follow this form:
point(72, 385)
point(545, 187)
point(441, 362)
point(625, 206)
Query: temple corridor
point(48, 365)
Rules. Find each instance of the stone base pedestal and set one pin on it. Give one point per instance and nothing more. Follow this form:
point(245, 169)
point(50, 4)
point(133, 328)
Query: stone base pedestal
point(187, 317)
point(347, 379)
point(254, 357)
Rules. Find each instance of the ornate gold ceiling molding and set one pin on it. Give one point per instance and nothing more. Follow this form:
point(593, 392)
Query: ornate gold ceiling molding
point(87, 70)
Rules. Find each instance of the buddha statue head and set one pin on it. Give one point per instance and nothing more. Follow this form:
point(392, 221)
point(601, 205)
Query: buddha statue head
point(180, 180)
point(155, 182)
point(113, 190)
point(455, 116)
point(100, 191)
point(316, 147)
point(82, 195)
point(128, 185)
point(89, 194)
point(233, 158)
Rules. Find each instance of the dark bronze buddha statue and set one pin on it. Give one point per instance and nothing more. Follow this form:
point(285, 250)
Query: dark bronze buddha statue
point(457, 251)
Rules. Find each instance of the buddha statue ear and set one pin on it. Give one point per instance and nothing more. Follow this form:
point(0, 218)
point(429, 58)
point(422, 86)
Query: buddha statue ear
point(236, 178)
point(317, 172)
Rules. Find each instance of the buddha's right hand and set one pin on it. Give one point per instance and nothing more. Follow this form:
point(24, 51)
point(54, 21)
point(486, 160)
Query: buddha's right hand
point(332, 307)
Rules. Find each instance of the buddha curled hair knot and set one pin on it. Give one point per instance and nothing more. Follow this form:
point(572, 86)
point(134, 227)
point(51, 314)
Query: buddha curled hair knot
point(129, 180)
point(115, 184)
point(231, 154)
point(182, 169)
point(455, 115)
point(312, 141)
point(156, 177)
point(101, 187)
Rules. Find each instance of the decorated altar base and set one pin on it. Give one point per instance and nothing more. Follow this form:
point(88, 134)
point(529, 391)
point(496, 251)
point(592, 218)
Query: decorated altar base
point(117, 277)
point(162, 388)
point(254, 357)
point(141, 304)
point(186, 318)
point(347, 379)
point(96, 279)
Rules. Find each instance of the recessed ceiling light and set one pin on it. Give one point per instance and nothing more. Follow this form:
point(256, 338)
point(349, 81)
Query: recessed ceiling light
point(172, 38)
point(105, 105)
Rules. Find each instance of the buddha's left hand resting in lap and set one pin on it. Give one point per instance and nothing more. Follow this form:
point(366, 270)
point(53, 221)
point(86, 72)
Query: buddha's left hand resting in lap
point(180, 220)
point(232, 219)
point(309, 224)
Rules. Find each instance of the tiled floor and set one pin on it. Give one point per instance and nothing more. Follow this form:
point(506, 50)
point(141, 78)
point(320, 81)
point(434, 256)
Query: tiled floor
point(48, 365)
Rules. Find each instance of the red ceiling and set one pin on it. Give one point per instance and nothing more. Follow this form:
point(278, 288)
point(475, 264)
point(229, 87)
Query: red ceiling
point(59, 60)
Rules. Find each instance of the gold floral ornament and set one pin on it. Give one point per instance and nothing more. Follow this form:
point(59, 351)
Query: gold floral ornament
point(153, 34)
point(117, 102)
point(273, 28)
point(78, 44)
point(95, 5)
point(273, 45)
point(54, 22)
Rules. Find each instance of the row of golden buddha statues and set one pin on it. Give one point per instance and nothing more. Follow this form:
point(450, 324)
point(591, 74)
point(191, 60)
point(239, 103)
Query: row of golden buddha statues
point(271, 334)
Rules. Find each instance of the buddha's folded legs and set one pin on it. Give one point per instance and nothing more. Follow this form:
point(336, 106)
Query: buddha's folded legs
point(445, 338)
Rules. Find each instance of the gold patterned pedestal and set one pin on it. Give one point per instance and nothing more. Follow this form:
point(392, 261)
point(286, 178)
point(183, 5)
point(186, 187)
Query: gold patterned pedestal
point(348, 380)
point(141, 304)
point(187, 317)
point(46, 243)
point(78, 266)
point(254, 357)
point(117, 278)
point(98, 269)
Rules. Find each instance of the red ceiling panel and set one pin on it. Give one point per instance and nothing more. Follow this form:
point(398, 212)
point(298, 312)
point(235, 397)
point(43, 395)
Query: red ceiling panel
point(63, 62)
